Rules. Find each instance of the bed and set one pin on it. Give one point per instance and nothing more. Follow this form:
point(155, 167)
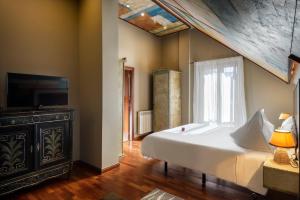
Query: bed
point(210, 149)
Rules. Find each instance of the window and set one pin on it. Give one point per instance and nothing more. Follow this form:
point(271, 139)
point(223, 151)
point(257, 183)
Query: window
point(219, 95)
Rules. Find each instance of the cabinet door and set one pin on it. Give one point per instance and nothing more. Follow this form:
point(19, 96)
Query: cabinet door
point(15, 151)
point(161, 101)
point(53, 143)
point(175, 99)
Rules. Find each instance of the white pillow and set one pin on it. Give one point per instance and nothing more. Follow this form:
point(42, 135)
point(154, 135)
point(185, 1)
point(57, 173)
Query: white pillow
point(288, 124)
point(255, 134)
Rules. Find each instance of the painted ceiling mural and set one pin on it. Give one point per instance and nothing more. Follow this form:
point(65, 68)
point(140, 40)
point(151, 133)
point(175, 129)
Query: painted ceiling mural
point(149, 16)
point(261, 30)
point(296, 39)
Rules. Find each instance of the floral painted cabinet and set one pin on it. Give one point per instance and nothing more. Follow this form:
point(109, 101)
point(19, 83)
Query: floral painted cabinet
point(34, 146)
point(15, 151)
point(54, 141)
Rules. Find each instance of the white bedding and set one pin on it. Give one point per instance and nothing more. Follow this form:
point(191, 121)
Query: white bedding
point(209, 149)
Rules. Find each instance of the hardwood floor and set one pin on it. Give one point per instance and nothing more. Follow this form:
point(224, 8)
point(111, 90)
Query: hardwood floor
point(133, 179)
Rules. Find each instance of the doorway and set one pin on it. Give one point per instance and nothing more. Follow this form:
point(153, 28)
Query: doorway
point(128, 104)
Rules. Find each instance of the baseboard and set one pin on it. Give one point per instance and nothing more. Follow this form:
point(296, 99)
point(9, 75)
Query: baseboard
point(92, 167)
point(110, 168)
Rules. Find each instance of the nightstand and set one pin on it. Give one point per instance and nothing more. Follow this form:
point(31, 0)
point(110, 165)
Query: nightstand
point(283, 178)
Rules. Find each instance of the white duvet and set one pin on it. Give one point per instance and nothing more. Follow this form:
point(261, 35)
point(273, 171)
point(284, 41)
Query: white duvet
point(209, 149)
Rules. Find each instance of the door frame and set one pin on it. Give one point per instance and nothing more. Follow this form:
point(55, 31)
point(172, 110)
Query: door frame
point(131, 111)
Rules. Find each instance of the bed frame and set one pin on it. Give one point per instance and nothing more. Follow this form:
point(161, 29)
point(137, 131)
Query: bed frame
point(203, 174)
point(253, 195)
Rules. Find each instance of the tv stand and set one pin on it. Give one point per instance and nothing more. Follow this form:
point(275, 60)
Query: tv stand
point(34, 146)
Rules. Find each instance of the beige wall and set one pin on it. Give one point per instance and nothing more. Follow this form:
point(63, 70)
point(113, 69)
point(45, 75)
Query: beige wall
point(186, 79)
point(170, 51)
point(90, 64)
point(143, 52)
point(40, 37)
point(111, 86)
point(262, 89)
point(296, 75)
point(100, 83)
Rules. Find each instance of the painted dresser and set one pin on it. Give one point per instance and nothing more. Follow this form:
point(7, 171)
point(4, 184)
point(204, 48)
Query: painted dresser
point(34, 146)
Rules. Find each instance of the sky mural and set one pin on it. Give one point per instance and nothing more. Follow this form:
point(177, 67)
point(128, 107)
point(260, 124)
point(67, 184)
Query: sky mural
point(149, 16)
point(262, 31)
point(296, 39)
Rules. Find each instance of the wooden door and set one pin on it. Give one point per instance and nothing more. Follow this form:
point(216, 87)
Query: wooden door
point(16, 151)
point(128, 104)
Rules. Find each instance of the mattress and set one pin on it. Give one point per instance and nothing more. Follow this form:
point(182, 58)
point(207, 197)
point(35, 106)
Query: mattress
point(210, 149)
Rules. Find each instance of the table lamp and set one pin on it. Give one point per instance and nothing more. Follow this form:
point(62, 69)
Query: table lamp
point(283, 116)
point(282, 139)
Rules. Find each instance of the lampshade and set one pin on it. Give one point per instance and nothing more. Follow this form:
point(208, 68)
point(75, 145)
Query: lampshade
point(284, 116)
point(282, 138)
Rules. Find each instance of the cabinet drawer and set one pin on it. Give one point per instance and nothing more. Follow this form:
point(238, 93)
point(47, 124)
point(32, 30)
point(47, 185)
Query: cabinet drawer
point(54, 117)
point(11, 121)
point(15, 121)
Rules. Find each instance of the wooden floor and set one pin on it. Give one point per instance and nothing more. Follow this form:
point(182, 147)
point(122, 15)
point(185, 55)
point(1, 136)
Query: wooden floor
point(133, 179)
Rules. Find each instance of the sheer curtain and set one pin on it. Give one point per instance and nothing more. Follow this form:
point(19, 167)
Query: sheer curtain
point(219, 95)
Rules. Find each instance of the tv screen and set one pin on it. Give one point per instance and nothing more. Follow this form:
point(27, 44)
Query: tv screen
point(24, 90)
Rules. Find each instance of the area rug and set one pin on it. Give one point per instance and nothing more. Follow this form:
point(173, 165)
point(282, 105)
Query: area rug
point(158, 194)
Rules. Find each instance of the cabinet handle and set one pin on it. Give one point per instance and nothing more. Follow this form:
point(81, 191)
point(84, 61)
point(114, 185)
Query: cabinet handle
point(31, 148)
point(38, 146)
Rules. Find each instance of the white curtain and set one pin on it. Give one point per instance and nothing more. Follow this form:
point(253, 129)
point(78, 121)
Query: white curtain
point(219, 95)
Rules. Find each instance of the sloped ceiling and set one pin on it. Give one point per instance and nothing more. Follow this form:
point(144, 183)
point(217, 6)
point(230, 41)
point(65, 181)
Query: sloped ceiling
point(296, 39)
point(149, 16)
point(264, 31)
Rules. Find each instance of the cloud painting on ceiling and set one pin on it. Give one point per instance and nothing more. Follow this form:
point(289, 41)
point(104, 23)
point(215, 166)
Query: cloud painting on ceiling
point(149, 16)
point(262, 31)
point(296, 39)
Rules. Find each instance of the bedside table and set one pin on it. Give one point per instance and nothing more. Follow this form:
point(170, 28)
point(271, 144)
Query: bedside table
point(283, 178)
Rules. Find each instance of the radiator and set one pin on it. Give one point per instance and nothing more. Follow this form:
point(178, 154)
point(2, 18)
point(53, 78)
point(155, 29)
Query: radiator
point(144, 122)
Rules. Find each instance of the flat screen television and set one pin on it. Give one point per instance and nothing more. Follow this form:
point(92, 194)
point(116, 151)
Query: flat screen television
point(34, 91)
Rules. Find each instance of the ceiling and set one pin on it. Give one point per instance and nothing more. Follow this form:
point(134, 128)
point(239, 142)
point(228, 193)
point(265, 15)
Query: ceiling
point(266, 31)
point(148, 16)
